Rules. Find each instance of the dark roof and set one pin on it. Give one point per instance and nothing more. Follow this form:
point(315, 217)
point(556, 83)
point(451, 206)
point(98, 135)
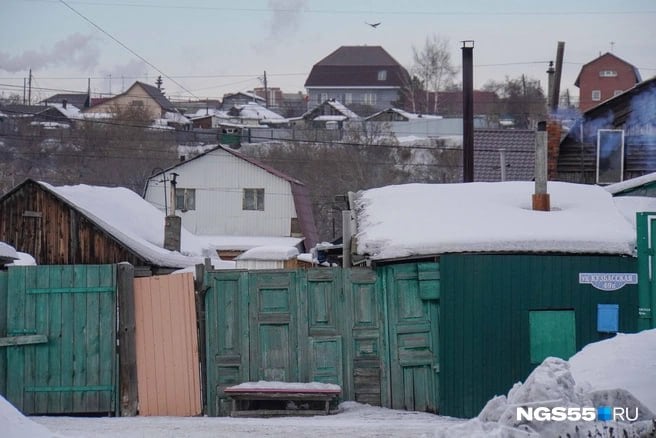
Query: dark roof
point(618, 110)
point(301, 194)
point(357, 66)
point(79, 100)
point(158, 96)
point(605, 55)
point(18, 110)
point(519, 145)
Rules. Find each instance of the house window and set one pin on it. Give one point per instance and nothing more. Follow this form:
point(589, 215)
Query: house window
point(136, 102)
point(551, 333)
point(596, 95)
point(382, 75)
point(348, 98)
point(369, 99)
point(607, 73)
point(610, 156)
point(253, 199)
point(185, 199)
point(323, 97)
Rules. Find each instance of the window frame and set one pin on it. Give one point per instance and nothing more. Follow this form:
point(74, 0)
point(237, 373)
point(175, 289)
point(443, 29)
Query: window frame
point(382, 75)
point(252, 199)
point(607, 73)
point(186, 195)
point(596, 93)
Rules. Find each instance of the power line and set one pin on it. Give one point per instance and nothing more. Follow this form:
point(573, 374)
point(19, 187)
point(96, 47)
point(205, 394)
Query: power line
point(358, 12)
point(126, 47)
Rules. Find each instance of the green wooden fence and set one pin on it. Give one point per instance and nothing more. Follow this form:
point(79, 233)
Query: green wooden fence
point(372, 332)
point(59, 338)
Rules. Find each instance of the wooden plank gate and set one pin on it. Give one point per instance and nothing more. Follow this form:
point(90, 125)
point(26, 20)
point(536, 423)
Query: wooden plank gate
point(59, 339)
point(168, 366)
point(374, 333)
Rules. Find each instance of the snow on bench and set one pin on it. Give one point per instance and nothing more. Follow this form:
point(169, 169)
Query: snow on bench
point(266, 399)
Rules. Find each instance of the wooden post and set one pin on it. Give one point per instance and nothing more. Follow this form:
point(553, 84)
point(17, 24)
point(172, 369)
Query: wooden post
point(200, 288)
point(127, 349)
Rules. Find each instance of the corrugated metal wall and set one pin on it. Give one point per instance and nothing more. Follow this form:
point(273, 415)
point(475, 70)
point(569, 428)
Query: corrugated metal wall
point(168, 366)
point(484, 326)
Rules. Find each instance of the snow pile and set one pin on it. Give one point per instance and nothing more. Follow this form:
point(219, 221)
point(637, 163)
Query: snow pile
point(608, 373)
point(625, 361)
point(16, 425)
point(630, 205)
point(423, 219)
point(268, 386)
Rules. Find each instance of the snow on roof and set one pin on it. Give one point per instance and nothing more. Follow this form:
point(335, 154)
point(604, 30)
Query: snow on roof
point(426, 219)
point(244, 243)
point(628, 206)
point(254, 110)
point(176, 117)
point(329, 118)
point(269, 253)
point(7, 251)
point(342, 109)
point(631, 183)
point(131, 220)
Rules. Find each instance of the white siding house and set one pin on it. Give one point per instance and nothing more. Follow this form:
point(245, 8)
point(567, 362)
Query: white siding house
point(222, 192)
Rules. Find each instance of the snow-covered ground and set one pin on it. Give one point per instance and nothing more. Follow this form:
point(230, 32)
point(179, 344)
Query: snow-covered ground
point(590, 378)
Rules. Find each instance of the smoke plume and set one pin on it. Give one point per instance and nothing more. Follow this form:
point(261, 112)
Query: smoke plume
point(75, 50)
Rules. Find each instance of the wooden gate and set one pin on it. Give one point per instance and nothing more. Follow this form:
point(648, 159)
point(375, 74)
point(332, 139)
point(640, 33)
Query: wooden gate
point(166, 340)
point(373, 333)
point(60, 340)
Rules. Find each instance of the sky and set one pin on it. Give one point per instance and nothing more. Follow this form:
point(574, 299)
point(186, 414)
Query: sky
point(205, 48)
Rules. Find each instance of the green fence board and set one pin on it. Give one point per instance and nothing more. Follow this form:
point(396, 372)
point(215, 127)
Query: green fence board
point(4, 280)
point(327, 325)
point(74, 371)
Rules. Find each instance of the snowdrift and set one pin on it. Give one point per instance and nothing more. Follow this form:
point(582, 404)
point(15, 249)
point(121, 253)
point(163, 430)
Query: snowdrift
point(606, 373)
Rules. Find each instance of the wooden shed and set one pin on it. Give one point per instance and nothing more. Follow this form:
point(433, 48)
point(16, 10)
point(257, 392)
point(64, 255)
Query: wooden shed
point(515, 285)
point(37, 219)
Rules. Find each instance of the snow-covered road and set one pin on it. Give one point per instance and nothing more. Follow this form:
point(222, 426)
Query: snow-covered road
point(354, 421)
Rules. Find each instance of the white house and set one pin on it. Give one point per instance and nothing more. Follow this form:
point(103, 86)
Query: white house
point(224, 193)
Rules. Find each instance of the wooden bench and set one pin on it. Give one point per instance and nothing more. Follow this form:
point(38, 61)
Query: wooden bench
point(269, 399)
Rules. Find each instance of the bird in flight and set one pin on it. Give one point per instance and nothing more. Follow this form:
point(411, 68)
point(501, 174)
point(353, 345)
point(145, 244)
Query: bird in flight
point(374, 25)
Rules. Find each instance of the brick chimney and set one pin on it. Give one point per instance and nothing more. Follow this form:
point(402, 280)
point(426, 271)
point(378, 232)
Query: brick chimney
point(553, 148)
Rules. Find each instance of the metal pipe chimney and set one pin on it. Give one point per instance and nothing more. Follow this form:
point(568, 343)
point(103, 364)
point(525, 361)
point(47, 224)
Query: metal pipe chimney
point(468, 111)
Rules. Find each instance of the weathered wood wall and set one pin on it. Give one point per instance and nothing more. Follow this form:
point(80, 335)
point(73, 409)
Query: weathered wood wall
point(35, 221)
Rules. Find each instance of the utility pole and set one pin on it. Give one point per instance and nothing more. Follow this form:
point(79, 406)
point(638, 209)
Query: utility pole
point(550, 84)
point(110, 84)
point(555, 96)
point(266, 91)
point(29, 90)
point(24, 89)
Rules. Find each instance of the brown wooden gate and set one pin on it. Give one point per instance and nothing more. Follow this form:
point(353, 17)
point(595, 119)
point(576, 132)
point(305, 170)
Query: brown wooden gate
point(168, 367)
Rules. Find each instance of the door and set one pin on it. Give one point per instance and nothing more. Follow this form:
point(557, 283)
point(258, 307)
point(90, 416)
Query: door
point(61, 337)
point(412, 315)
point(273, 326)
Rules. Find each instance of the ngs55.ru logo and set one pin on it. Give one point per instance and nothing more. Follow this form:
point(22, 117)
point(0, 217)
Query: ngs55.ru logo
point(561, 413)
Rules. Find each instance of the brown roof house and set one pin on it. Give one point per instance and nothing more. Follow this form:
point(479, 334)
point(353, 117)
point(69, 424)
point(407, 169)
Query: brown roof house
point(146, 101)
point(603, 78)
point(364, 78)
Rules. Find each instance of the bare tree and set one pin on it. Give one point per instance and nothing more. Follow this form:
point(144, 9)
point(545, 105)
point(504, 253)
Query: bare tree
point(432, 65)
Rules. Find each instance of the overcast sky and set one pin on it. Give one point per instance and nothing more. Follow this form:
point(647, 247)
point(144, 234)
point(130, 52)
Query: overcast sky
point(208, 48)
